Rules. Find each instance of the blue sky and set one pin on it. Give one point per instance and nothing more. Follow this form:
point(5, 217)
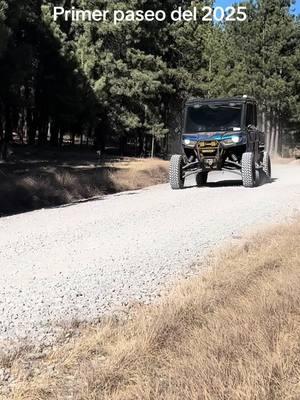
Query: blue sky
point(225, 3)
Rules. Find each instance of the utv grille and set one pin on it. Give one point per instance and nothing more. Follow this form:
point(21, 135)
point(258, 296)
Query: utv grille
point(208, 147)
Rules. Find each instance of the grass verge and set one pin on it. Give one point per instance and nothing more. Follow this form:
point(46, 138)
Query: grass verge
point(26, 187)
point(231, 333)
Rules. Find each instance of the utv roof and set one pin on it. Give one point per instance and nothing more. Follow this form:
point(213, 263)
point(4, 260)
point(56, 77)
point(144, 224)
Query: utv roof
point(241, 99)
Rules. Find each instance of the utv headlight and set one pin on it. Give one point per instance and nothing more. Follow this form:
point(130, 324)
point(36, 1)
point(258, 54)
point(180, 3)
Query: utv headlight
point(232, 140)
point(235, 139)
point(187, 141)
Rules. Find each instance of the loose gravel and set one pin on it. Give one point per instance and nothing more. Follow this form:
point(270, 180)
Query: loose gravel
point(78, 262)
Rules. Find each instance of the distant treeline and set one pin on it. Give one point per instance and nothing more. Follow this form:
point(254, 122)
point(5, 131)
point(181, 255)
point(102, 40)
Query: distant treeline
point(126, 82)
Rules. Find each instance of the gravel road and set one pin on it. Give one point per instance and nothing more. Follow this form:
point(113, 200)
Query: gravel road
point(79, 261)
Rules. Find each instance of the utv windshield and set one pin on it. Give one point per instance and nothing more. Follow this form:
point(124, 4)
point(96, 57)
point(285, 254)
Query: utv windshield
point(213, 117)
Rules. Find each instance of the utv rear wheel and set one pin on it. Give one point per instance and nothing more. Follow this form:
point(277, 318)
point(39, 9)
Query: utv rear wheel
point(248, 170)
point(201, 178)
point(267, 165)
point(176, 173)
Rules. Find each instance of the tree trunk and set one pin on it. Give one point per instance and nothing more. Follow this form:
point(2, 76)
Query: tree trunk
point(54, 134)
point(272, 133)
point(100, 136)
point(276, 139)
point(8, 125)
point(268, 131)
point(22, 125)
point(280, 137)
point(152, 146)
point(31, 126)
point(7, 136)
point(43, 129)
point(141, 144)
point(61, 137)
point(122, 145)
point(260, 121)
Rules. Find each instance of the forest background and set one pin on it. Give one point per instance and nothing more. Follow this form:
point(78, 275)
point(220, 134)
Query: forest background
point(122, 86)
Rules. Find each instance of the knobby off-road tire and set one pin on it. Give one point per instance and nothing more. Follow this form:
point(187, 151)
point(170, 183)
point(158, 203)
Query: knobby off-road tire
point(248, 170)
point(201, 178)
point(267, 168)
point(176, 173)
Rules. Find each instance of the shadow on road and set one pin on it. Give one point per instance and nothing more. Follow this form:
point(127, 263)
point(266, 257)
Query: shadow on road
point(229, 183)
point(225, 183)
point(218, 184)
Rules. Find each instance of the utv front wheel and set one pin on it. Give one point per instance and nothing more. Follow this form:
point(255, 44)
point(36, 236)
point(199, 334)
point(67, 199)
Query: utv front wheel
point(201, 178)
point(267, 166)
point(248, 170)
point(176, 172)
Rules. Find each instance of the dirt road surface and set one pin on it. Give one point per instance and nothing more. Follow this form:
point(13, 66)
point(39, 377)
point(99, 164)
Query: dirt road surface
point(80, 261)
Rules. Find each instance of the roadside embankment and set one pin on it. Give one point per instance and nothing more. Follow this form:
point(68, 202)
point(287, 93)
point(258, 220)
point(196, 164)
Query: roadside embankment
point(30, 185)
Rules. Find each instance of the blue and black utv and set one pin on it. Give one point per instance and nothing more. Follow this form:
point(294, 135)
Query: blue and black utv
point(220, 134)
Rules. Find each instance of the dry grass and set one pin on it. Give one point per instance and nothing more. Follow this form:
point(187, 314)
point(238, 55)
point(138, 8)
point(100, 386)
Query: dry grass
point(47, 184)
point(232, 333)
point(139, 174)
